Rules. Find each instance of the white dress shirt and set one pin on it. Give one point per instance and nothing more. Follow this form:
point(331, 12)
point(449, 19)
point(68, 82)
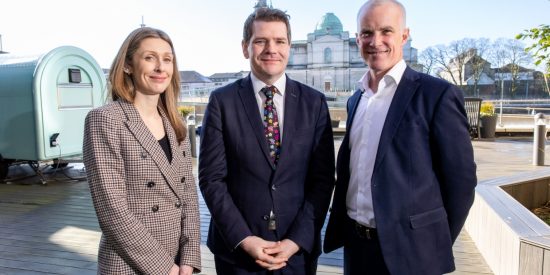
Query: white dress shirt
point(278, 98)
point(368, 122)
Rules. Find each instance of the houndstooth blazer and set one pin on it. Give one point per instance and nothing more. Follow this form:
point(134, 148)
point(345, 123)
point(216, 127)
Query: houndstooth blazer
point(147, 207)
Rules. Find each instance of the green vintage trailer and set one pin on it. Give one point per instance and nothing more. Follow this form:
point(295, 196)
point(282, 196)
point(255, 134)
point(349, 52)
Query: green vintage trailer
point(43, 103)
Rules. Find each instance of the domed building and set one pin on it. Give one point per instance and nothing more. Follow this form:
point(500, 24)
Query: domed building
point(329, 24)
point(262, 4)
point(329, 60)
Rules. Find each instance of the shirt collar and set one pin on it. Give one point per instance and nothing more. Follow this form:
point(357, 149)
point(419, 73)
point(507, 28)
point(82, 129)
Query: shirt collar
point(258, 85)
point(395, 74)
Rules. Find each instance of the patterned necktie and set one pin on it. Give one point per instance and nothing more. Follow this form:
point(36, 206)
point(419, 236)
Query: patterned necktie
point(271, 124)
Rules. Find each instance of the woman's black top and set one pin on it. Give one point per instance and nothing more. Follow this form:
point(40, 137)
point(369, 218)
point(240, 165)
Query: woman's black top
point(165, 144)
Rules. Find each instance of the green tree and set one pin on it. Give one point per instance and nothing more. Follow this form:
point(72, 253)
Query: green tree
point(541, 47)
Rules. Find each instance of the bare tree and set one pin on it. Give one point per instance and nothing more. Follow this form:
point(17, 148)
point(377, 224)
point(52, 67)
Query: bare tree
point(428, 60)
point(451, 59)
point(477, 63)
point(442, 59)
point(509, 56)
point(517, 58)
point(498, 56)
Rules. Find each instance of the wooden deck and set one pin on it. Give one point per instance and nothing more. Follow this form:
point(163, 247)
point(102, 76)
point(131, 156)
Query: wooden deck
point(52, 229)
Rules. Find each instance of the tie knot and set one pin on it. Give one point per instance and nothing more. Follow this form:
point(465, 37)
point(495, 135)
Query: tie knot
point(269, 91)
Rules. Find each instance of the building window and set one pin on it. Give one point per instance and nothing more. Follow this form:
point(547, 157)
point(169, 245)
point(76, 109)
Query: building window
point(328, 56)
point(327, 86)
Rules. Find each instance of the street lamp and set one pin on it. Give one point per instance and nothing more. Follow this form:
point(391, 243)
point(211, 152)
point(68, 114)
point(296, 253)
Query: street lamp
point(501, 100)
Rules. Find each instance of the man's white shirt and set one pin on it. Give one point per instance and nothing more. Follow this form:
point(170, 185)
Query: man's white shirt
point(366, 129)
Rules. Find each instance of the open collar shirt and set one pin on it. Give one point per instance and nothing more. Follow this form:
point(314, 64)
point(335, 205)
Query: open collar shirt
point(368, 123)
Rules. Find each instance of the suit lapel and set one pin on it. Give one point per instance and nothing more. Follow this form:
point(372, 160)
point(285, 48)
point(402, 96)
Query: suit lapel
point(248, 99)
point(292, 97)
point(352, 107)
point(150, 144)
point(406, 89)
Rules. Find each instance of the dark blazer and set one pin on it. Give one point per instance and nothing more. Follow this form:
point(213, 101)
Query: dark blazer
point(240, 184)
point(423, 180)
point(147, 207)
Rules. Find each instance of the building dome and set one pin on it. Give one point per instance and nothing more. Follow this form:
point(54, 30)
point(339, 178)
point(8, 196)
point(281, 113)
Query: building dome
point(329, 24)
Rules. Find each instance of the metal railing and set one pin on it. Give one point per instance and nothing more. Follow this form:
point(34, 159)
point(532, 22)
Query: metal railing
point(338, 100)
point(520, 107)
point(523, 106)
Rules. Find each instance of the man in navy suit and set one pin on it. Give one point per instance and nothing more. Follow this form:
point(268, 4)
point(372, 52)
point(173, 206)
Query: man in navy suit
point(266, 165)
point(405, 170)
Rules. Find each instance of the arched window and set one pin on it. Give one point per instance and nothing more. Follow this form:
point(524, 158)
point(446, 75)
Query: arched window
point(328, 55)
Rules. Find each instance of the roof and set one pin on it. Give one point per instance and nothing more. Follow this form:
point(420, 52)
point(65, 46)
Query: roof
point(329, 24)
point(229, 75)
point(299, 42)
point(193, 77)
point(509, 67)
point(9, 59)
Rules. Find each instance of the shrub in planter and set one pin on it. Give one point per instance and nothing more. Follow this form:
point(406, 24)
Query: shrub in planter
point(488, 120)
point(185, 111)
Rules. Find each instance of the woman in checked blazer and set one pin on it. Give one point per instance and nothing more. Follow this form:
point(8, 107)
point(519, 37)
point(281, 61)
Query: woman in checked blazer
point(138, 164)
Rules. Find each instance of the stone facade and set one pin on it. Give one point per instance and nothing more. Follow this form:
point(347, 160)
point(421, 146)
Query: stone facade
point(329, 60)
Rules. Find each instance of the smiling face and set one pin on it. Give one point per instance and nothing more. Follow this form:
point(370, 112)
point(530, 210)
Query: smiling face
point(152, 66)
point(381, 36)
point(268, 50)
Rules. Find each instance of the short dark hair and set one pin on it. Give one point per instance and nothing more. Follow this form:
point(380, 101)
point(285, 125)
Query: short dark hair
point(267, 15)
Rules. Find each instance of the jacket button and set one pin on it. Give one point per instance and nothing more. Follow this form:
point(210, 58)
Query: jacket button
point(143, 154)
point(178, 204)
point(265, 217)
point(150, 184)
point(182, 179)
point(273, 187)
point(155, 208)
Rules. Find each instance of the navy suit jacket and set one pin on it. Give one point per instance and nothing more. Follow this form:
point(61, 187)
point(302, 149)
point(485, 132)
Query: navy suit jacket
point(241, 185)
point(423, 179)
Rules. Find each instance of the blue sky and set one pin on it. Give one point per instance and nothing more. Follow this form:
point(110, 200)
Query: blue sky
point(207, 33)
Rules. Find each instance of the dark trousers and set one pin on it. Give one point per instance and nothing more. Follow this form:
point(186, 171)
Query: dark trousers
point(362, 252)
